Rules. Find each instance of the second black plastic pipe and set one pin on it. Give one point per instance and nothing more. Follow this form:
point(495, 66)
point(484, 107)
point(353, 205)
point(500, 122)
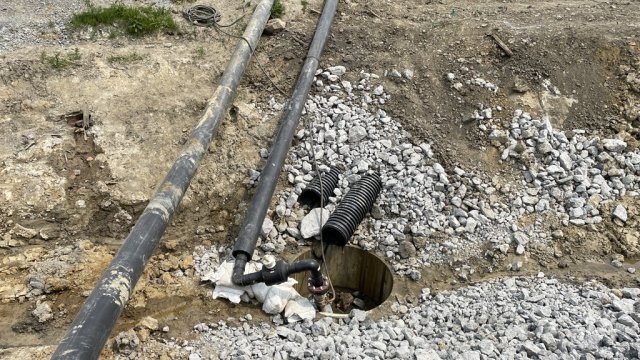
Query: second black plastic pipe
point(257, 210)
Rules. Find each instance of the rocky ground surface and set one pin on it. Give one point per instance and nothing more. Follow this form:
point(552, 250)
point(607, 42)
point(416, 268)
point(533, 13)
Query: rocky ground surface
point(508, 212)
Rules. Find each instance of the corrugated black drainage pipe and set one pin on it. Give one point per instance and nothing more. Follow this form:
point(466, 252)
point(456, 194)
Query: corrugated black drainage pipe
point(352, 209)
point(248, 236)
point(312, 194)
point(97, 316)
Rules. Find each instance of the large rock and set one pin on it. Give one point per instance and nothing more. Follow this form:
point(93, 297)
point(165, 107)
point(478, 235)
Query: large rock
point(406, 250)
point(356, 134)
point(24, 232)
point(620, 212)
point(42, 312)
point(149, 323)
point(267, 226)
point(126, 342)
point(274, 26)
point(614, 145)
point(310, 224)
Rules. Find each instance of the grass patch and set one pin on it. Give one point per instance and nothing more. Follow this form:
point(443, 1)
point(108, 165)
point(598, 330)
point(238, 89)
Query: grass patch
point(200, 52)
point(133, 20)
point(75, 55)
point(122, 59)
point(58, 61)
point(277, 10)
point(304, 3)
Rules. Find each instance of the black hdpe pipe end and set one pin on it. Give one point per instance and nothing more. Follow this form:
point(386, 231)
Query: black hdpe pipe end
point(352, 209)
point(313, 196)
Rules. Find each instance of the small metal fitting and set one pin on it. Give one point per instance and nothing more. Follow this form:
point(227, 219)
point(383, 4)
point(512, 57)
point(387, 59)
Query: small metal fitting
point(269, 261)
point(318, 290)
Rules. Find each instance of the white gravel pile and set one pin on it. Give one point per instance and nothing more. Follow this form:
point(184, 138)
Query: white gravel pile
point(511, 318)
point(569, 172)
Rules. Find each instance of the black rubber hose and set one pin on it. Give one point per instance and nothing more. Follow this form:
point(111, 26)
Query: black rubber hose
point(352, 209)
point(313, 194)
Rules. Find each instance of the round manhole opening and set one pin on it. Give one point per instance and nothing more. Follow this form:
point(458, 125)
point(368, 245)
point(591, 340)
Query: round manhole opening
point(361, 279)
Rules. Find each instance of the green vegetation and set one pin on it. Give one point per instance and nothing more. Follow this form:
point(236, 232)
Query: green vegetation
point(58, 62)
point(277, 10)
point(128, 58)
point(75, 55)
point(305, 4)
point(199, 52)
point(133, 20)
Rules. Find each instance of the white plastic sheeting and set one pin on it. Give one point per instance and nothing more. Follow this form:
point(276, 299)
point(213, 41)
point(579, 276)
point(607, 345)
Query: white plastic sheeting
point(275, 299)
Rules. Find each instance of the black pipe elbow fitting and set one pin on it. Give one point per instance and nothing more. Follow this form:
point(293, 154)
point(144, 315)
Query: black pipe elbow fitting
point(238, 276)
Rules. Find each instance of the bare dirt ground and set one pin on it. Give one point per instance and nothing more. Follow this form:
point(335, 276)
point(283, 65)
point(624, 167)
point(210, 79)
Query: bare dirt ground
point(67, 201)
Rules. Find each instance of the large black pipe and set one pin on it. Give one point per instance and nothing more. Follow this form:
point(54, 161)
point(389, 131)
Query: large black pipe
point(248, 236)
point(97, 316)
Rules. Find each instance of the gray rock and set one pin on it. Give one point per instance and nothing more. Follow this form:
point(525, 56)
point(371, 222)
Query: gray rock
point(337, 70)
point(521, 238)
point(626, 320)
point(516, 266)
point(406, 249)
point(267, 226)
point(470, 355)
point(356, 134)
point(394, 74)
point(407, 74)
point(531, 349)
point(631, 293)
point(565, 161)
point(620, 213)
point(149, 323)
point(126, 342)
point(486, 347)
point(358, 315)
point(274, 26)
point(310, 225)
point(504, 248)
point(614, 145)
point(24, 232)
point(427, 354)
point(42, 312)
point(623, 305)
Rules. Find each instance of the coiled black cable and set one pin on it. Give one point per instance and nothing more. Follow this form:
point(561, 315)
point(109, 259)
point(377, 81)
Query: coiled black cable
point(208, 16)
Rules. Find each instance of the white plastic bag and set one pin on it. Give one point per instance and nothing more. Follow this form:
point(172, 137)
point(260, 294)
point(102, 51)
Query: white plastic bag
point(278, 296)
point(225, 288)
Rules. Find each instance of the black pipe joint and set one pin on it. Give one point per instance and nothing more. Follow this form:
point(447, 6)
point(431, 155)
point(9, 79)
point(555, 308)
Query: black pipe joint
point(314, 195)
point(276, 275)
point(352, 209)
point(281, 271)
